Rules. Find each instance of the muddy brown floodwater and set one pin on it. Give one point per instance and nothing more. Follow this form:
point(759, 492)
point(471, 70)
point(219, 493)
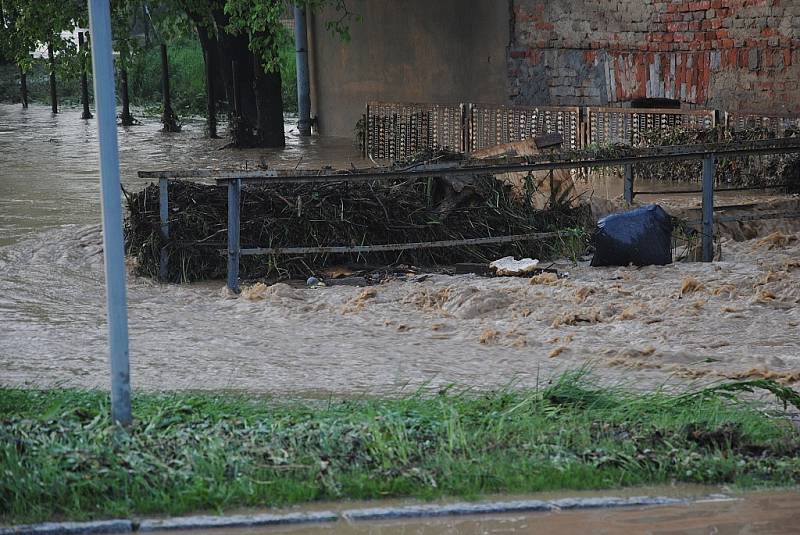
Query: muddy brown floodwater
point(643, 327)
point(762, 513)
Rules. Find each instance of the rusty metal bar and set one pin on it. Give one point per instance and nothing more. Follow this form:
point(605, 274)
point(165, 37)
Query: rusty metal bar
point(403, 246)
point(717, 190)
point(708, 208)
point(628, 185)
point(163, 213)
point(542, 162)
point(234, 247)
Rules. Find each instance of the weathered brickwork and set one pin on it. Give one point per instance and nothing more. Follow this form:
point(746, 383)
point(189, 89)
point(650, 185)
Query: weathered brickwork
point(738, 55)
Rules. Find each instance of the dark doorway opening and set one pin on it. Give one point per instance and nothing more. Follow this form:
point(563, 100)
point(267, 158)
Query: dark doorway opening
point(664, 103)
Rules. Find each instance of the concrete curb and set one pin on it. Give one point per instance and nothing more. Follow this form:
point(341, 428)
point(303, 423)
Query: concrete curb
point(236, 521)
point(350, 515)
point(523, 506)
point(70, 528)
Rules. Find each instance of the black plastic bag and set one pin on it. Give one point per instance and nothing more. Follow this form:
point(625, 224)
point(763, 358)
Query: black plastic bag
point(642, 237)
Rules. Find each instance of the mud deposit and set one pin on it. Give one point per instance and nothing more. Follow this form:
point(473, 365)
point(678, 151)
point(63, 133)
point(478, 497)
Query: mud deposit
point(739, 317)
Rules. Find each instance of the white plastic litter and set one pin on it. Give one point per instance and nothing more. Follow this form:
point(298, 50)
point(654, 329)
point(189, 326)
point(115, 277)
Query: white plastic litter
point(510, 267)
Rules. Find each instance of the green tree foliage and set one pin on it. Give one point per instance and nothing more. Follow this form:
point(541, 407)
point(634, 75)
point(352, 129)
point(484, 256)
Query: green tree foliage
point(246, 34)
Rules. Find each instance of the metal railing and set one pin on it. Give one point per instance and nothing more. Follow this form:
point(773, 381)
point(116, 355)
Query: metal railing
point(234, 181)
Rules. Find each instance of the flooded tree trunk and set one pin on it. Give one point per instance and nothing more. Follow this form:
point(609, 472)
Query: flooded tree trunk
point(84, 81)
point(258, 117)
point(125, 118)
point(269, 100)
point(168, 117)
point(211, 104)
point(234, 50)
point(214, 84)
point(23, 87)
point(53, 94)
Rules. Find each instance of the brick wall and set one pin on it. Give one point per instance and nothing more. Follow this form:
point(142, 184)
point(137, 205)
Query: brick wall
point(738, 55)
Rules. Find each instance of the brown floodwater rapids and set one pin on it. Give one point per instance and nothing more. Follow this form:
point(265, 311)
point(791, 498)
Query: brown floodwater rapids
point(645, 327)
point(762, 513)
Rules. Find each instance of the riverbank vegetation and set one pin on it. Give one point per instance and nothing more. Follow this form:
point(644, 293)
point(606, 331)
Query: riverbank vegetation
point(235, 56)
point(187, 81)
point(61, 457)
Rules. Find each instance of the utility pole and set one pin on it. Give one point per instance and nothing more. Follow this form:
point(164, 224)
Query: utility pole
point(113, 250)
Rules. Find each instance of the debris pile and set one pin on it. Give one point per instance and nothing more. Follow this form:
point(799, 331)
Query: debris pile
point(338, 214)
point(762, 171)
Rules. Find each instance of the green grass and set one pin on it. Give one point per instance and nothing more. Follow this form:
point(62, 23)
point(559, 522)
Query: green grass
point(60, 457)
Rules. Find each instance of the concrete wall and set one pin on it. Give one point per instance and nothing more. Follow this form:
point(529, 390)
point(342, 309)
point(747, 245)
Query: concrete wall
point(729, 54)
point(440, 51)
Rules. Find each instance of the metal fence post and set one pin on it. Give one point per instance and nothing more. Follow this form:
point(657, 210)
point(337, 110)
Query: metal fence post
point(113, 242)
point(163, 212)
point(708, 208)
point(234, 247)
point(629, 183)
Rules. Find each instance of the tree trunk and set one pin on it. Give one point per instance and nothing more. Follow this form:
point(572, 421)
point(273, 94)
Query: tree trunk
point(214, 84)
point(84, 82)
point(254, 95)
point(23, 87)
point(210, 47)
point(211, 104)
point(125, 118)
point(53, 94)
point(168, 117)
point(146, 23)
point(269, 100)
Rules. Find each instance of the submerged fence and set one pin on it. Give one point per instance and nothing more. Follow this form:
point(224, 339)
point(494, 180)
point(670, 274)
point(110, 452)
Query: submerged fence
point(234, 180)
point(397, 130)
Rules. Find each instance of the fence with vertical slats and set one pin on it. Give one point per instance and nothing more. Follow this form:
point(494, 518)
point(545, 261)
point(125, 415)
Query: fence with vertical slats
point(624, 125)
point(397, 130)
point(777, 125)
point(490, 125)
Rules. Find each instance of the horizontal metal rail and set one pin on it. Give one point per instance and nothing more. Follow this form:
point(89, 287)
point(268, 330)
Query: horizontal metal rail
point(748, 217)
point(716, 190)
point(511, 165)
point(403, 246)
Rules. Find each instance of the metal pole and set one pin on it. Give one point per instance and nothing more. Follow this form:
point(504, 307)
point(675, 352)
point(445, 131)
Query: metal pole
point(708, 208)
point(234, 249)
point(303, 85)
point(629, 183)
point(113, 249)
point(163, 212)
